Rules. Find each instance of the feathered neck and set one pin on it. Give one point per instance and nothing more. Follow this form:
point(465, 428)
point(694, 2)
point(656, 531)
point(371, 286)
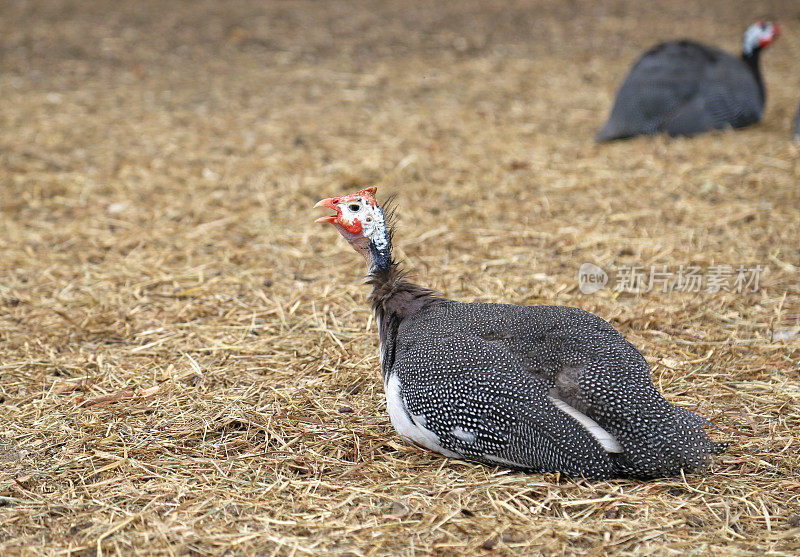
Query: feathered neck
point(393, 297)
point(391, 292)
point(751, 59)
point(393, 300)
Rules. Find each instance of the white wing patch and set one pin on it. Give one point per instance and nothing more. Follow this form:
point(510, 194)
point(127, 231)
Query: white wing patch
point(419, 419)
point(466, 436)
point(409, 428)
point(608, 441)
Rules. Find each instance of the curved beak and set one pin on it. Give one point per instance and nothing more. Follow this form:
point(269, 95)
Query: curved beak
point(330, 203)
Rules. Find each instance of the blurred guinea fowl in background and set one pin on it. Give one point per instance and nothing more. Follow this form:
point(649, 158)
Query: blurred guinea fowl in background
point(685, 88)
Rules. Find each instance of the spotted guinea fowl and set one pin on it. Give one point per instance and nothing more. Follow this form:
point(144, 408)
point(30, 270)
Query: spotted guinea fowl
point(685, 88)
point(539, 388)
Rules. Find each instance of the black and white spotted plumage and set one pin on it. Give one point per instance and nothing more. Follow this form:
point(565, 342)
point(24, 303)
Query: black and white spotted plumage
point(686, 88)
point(535, 388)
point(493, 370)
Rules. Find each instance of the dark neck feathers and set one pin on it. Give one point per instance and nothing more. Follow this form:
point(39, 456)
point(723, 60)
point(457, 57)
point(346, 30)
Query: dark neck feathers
point(395, 297)
point(751, 59)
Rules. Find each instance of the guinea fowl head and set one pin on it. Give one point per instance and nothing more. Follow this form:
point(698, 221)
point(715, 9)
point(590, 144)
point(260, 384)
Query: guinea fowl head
point(759, 35)
point(361, 221)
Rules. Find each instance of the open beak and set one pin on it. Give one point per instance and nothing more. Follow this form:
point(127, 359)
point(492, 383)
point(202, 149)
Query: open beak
point(330, 203)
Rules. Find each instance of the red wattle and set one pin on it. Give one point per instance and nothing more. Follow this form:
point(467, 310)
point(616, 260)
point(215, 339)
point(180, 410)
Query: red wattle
point(354, 227)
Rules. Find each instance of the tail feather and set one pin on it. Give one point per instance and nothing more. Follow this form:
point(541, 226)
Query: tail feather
point(675, 441)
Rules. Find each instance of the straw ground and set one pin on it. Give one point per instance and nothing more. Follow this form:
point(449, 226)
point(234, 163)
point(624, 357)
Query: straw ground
point(187, 362)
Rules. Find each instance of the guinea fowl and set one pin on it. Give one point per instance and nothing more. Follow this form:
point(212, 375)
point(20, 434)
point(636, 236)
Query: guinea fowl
point(538, 388)
point(685, 88)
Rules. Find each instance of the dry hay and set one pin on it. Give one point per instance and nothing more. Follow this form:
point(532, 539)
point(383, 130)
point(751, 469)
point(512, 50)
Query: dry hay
point(187, 362)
